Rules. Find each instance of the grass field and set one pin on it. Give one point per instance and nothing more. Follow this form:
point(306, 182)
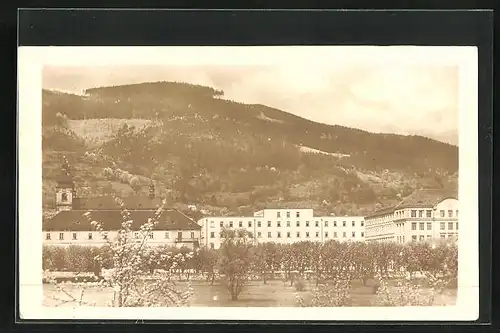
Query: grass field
point(256, 294)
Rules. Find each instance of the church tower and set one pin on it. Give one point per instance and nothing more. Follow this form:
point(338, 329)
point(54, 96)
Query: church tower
point(65, 189)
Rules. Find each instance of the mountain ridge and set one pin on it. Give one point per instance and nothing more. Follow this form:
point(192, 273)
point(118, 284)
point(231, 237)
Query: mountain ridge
point(204, 149)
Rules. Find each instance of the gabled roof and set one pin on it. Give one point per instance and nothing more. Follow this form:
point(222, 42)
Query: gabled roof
point(423, 198)
point(74, 220)
point(109, 203)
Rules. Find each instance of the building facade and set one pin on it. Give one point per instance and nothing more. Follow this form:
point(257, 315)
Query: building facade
point(423, 216)
point(71, 224)
point(284, 226)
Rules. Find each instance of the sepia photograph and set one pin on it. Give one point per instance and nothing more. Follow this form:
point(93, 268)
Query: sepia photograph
point(257, 179)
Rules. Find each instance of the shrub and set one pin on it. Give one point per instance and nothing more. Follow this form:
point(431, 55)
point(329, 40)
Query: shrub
point(299, 285)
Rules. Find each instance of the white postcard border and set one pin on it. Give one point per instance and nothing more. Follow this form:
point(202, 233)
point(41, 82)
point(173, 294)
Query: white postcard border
point(30, 63)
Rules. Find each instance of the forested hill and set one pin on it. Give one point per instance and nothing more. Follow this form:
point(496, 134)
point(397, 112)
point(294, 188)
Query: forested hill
point(220, 153)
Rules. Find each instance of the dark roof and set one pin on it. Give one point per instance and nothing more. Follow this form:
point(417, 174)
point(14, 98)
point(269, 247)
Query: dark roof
point(109, 203)
point(64, 180)
point(423, 198)
point(74, 220)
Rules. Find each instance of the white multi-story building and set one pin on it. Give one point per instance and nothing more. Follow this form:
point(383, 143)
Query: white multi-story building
point(422, 216)
point(284, 226)
point(70, 226)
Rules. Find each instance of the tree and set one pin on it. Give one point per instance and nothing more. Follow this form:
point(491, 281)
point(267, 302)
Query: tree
point(235, 259)
point(128, 255)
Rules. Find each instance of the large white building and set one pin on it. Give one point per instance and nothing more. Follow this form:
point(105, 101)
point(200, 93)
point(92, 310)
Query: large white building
point(70, 227)
point(422, 216)
point(285, 226)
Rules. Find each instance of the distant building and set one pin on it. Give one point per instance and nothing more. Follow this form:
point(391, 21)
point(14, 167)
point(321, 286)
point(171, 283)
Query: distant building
point(285, 226)
point(422, 216)
point(70, 227)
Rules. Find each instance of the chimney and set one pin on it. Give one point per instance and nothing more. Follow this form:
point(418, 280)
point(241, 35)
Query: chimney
point(151, 191)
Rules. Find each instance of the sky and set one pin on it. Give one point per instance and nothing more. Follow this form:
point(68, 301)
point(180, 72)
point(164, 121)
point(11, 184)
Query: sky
point(406, 99)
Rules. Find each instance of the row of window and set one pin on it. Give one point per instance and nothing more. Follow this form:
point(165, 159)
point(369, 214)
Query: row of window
point(288, 224)
point(421, 237)
point(278, 214)
point(442, 213)
point(289, 234)
point(442, 225)
point(90, 235)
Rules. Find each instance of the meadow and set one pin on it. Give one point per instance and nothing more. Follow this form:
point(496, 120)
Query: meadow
point(274, 293)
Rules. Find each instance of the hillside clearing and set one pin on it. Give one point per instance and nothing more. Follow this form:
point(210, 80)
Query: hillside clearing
point(98, 131)
point(305, 149)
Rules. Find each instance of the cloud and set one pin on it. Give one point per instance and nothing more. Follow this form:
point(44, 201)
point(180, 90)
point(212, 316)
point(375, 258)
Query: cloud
point(402, 99)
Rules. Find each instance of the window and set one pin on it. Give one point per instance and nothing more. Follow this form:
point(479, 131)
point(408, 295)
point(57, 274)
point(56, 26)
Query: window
point(317, 234)
point(429, 236)
point(64, 197)
point(421, 238)
point(279, 234)
point(429, 213)
point(362, 223)
point(414, 226)
point(297, 214)
point(344, 234)
point(259, 234)
point(288, 223)
point(326, 234)
point(413, 213)
point(104, 235)
point(278, 223)
point(212, 225)
point(335, 234)
point(136, 235)
point(421, 226)
point(298, 234)
point(269, 234)
point(288, 234)
point(269, 224)
point(240, 224)
point(429, 226)
point(90, 236)
point(353, 234)
point(167, 235)
point(288, 214)
point(456, 228)
point(362, 234)
point(442, 226)
point(230, 224)
point(317, 224)
point(298, 223)
point(414, 238)
point(212, 234)
point(441, 213)
point(420, 213)
point(334, 223)
point(47, 236)
point(307, 234)
point(249, 224)
point(278, 214)
point(212, 246)
point(307, 223)
point(326, 224)
point(450, 225)
point(343, 223)
point(221, 224)
point(259, 224)
point(61, 236)
point(353, 223)
point(442, 236)
point(450, 213)
point(151, 235)
point(456, 213)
